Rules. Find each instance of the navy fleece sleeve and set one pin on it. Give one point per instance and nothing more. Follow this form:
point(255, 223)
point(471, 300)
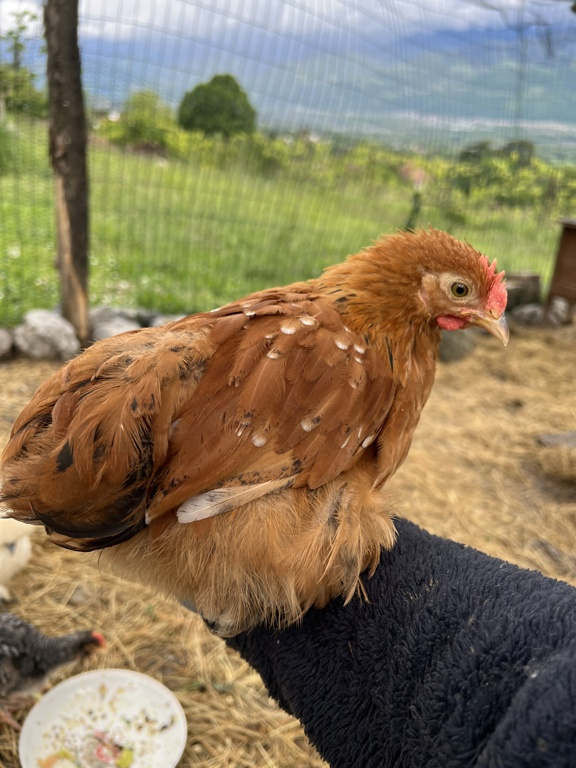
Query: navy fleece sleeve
point(456, 659)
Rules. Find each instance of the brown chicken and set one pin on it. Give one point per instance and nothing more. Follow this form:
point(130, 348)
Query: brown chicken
point(236, 458)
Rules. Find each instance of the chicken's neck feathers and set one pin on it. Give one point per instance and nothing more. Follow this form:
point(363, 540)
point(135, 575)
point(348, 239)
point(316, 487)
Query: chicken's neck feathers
point(377, 295)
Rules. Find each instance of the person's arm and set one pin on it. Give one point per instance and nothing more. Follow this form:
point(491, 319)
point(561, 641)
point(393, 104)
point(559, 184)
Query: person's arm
point(454, 659)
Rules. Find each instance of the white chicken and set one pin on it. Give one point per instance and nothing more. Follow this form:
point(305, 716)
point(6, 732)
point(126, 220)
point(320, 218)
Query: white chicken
point(15, 552)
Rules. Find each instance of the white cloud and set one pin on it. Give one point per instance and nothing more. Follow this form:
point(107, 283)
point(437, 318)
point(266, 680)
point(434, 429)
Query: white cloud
point(8, 9)
point(124, 19)
point(303, 17)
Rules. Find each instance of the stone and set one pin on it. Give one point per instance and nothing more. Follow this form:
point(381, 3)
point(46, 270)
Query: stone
point(101, 314)
point(6, 344)
point(45, 334)
point(522, 288)
point(552, 440)
point(529, 314)
point(78, 596)
point(143, 317)
point(115, 324)
point(558, 312)
point(455, 345)
point(159, 320)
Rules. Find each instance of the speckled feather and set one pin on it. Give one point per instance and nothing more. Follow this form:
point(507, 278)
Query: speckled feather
point(27, 657)
point(270, 409)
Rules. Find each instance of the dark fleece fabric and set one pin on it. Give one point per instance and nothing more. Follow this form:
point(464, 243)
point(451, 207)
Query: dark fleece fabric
point(456, 659)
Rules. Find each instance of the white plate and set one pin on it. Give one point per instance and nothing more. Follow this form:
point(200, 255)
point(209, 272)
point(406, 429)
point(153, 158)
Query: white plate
point(90, 711)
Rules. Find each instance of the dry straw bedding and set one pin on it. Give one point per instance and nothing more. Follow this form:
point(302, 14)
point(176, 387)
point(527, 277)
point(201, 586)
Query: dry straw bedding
point(475, 474)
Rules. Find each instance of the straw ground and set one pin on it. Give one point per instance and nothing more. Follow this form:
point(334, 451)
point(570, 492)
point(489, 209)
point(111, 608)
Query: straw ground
point(475, 474)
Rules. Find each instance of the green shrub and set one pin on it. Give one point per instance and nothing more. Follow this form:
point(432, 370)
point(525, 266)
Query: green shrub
point(19, 93)
point(145, 123)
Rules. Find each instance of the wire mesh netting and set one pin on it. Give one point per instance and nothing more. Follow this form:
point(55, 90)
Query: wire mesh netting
point(370, 116)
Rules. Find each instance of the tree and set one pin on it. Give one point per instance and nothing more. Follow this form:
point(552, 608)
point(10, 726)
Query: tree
point(521, 150)
point(68, 156)
point(16, 35)
point(17, 91)
point(220, 106)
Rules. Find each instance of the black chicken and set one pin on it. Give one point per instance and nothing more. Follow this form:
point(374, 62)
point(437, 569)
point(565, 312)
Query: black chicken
point(27, 657)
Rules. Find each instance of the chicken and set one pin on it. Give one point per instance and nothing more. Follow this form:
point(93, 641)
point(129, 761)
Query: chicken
point(237, 458)
point(15, 552)
point(27, 657)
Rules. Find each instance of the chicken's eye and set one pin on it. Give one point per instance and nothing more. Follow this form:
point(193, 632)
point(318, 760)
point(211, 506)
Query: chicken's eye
point(459, 290)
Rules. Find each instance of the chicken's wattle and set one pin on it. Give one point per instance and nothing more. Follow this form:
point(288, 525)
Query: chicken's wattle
point(451, 322)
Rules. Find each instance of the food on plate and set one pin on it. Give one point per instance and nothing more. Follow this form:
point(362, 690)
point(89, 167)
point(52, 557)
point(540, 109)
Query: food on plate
point(98, 750)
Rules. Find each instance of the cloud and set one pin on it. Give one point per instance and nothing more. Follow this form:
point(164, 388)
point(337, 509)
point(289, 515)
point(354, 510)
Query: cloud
point(8, 9)
point(303, 18)
point(297, 19)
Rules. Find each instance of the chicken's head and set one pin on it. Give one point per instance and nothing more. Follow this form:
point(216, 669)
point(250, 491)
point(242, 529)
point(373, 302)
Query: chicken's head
point(474, 295)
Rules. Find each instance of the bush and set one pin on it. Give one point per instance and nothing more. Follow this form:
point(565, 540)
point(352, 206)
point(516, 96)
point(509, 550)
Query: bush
point(19, 93)
point(145, 123)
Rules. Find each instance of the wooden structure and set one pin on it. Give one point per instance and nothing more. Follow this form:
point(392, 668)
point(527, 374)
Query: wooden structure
point(68, 156)
point(564, 278)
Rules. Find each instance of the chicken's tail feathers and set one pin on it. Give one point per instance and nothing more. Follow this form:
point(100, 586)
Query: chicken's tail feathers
point(75, 533)
point(91, 543)
point(221, 500)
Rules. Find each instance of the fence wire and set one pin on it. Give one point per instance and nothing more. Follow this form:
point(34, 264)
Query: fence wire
point(371, 115)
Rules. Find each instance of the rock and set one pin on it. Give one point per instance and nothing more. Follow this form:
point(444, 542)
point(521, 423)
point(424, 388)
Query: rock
point(6, 344)
point(566, 563)
point(558, 463)
point(529, 314)
point(158, 320)
point(112, 327)
point(558, 312)
point(106, 322)
point(522, 288)
point(78, 596)
point(566, 439)
point(101, 314)
point(454, 345)
point(143, 317)
point(46, 335)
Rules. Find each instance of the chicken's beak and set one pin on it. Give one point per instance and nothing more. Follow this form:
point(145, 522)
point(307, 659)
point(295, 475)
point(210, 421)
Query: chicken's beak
point(493, 323)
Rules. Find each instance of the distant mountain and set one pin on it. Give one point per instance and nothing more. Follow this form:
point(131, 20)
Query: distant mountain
point(434, 98)
point(434, 91)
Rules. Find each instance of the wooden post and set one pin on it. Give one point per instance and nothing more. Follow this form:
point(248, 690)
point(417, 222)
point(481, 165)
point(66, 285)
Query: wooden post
point(68, 157)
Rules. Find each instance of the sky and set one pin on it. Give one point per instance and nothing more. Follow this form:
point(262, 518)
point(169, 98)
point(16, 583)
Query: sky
point(290, 54)
point(296, 18)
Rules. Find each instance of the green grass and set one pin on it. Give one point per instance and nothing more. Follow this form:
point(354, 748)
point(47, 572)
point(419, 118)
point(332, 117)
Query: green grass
point(173, 237)
point(180, 240)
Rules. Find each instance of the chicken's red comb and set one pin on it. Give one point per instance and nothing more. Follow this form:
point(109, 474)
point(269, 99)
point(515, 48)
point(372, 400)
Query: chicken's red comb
point(497, 297)
point(99, 639)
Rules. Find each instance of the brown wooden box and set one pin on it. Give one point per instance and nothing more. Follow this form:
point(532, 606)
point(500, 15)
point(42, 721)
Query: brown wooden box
point(564, 278)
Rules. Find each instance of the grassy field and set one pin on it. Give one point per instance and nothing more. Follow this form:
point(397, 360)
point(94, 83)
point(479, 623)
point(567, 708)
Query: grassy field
point(173, 236)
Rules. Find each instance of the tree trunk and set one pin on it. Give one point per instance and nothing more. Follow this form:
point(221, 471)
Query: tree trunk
point(68, 158)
